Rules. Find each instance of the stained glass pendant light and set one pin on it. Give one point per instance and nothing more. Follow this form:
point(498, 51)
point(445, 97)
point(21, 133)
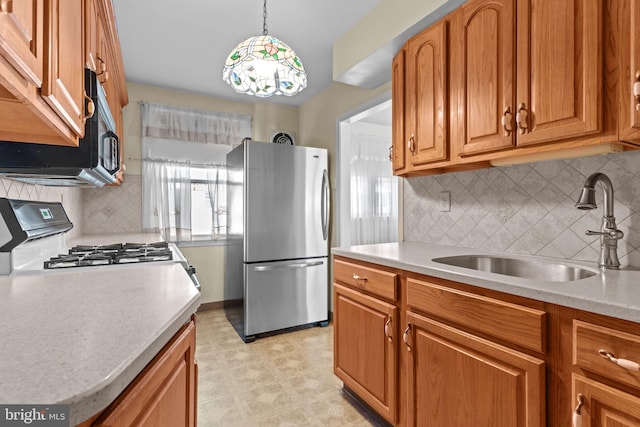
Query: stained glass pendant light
point(264, 66)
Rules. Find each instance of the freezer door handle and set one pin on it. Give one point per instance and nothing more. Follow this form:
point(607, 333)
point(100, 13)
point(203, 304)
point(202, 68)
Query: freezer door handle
point(287, 266)
point(326, 200)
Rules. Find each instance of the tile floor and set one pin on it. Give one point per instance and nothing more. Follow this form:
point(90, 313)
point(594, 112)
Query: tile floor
point(283, 380)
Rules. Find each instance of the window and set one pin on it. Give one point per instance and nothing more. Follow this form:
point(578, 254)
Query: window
point(184, 177)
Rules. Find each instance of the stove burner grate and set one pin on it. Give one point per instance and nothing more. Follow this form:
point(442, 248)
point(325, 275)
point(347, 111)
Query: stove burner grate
point(88, 255)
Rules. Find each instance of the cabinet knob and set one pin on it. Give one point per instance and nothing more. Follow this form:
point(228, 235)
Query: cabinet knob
point(521, 118)
point(391, 154)
point(507, 121)
point(636, 90)
point(577, 415)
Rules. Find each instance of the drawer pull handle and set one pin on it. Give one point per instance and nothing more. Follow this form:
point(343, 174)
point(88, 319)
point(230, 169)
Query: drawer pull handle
point(405, 337)
point(577, 415)
point(625, 363)
point(387, 329)
point(359, 278)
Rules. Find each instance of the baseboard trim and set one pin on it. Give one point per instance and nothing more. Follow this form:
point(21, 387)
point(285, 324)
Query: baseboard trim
point(208, 306)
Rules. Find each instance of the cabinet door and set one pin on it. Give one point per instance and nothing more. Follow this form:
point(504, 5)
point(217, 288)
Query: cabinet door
point(604, 406)
point(485, 38)
point(426, 109)
point(457, 380)
point(164, 394)
point(21, 37)
point(91, 23)
point(63, 85)
point(629, 34)
point(398, 148)
point(365, 348)
point(559, 62)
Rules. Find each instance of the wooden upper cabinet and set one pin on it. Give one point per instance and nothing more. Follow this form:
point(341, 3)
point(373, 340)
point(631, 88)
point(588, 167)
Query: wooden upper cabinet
point(559, 69)
point(485, 41)
point(21, 37)
point(629, 114)
point(398, 151)
point(426, 114)
point(531, 72)
point(91, 31)
point(63, 85)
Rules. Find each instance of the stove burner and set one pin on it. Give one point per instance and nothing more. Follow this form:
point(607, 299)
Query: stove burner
point(144, 256)
point(65, 261)
point(87, 255)
point(145, 246)
point(88, 249)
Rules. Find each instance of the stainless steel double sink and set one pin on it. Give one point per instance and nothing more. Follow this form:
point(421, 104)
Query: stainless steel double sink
point(524, 268)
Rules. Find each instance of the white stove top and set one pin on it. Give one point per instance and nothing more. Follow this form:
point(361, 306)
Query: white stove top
point(29, 257)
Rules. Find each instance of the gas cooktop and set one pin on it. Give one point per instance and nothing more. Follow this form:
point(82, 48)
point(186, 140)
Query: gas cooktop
point(119, 253)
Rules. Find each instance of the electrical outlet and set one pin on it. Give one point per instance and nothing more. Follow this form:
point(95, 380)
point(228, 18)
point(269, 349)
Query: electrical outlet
point(445, 201)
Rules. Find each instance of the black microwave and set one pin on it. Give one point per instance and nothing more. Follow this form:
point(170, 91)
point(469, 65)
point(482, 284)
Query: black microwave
point(93, 163)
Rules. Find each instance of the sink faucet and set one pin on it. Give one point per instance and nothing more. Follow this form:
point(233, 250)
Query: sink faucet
point(609, 234)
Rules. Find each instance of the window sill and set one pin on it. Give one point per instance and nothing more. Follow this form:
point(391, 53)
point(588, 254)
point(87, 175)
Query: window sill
point(196, 243)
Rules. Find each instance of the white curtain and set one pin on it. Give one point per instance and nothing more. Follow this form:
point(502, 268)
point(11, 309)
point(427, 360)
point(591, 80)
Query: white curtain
point(177, 145)
point(216, 185)
point(167, 199)
point(374, 190)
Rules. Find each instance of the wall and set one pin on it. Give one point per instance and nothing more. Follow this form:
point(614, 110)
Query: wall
point(527, 209)
point(317, 124)
point(71, 199)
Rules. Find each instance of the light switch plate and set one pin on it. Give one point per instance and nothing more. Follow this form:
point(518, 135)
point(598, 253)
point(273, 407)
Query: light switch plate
point(445, 201)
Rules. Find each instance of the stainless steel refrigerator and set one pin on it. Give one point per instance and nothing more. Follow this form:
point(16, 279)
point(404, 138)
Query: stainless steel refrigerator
point(276, 257)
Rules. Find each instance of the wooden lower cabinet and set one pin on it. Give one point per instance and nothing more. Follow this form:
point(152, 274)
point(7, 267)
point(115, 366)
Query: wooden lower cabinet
point(604, 406)
point(447, 354)
point(164, 393)
point(365, 350)
point(456, 379)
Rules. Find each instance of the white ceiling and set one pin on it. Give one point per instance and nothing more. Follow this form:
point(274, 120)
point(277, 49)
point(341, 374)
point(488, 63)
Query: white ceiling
point(183, 45)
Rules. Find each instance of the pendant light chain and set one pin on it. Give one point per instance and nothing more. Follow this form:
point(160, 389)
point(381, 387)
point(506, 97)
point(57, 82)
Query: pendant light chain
point(264, 16)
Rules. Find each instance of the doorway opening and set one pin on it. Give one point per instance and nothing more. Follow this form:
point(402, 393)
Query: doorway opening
point(367, 190)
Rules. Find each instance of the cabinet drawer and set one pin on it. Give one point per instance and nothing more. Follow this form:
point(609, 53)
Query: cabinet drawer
point(513, 323)
point(374, 281)
point(589, 341)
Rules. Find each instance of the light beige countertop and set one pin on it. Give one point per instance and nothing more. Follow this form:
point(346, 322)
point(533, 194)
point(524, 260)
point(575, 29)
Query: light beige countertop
point(80, 336)
point(612, 293)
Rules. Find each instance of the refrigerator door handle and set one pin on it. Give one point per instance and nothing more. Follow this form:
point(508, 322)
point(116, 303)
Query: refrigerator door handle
point(326, 200)
point(287, 266)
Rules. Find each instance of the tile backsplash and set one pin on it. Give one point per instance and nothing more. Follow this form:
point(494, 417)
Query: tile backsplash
point(114, 209)
point(70, 197)
point(527, 209)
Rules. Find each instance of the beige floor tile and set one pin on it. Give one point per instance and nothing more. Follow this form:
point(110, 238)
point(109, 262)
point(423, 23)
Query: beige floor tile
point(284, 380)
